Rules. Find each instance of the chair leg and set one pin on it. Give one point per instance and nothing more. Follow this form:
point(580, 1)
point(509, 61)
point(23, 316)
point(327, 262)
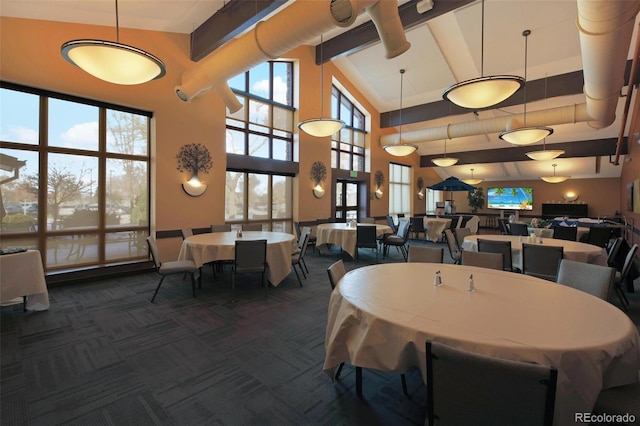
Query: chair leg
point(157, 288)
point(24, 303)
point(305, 264)
point(623, 299)
point(337, 376)
point(265, 285)
point(404, 384)
point(233, 285)
point(302, 269)
point(297, 275)
point(193, 284)
point(359, 381)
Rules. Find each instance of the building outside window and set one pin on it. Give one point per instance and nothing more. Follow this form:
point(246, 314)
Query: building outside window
point(399, 189)
point(74, 178)
point(347, 145)
point(263, 129)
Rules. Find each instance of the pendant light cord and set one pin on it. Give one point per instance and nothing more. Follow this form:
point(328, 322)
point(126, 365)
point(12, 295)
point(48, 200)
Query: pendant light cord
point(482, 44)
point(401, 81)
point(525, 33)
point(117, 24)
point(321, 78)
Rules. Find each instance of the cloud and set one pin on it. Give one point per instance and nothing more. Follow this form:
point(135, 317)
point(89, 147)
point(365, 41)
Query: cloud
point(83, 135)
point(279, 89)
point(22, 134)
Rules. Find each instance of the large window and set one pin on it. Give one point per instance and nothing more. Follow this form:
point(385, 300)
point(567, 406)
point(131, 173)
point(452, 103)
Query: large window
point(73, 178)
point(264, 129)
point(264, 126)
point(399, 189)
point(261, 198)
point(347, 145)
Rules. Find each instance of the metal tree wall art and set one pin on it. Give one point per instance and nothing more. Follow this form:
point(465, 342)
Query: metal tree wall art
point(378, 179)
point(194, 158)
point(420, 185)
point(318, 174)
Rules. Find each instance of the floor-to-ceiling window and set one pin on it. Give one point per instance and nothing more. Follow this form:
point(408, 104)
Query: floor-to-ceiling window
point(263, 128)
point(347, 145)
point(399, 189)
point(74, 178)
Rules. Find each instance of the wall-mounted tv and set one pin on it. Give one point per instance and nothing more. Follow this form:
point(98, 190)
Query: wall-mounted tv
point(512, 198)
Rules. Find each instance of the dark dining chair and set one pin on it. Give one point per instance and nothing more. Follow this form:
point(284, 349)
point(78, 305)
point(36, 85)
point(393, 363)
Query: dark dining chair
point(599, 236)
point(366, 238)
point(519, 229)
point(454, 251)
point(399, 239)
point(483, 260)
point(465, 388)
point(417, 227)
point(541, 261)
point(425, 254)
point(504, 247)
point(297, 258)
point(250, 258)
point(460, 233)
point(567, 233)
point(176, 267)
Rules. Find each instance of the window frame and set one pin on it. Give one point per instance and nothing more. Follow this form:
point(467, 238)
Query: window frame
point(343, 141)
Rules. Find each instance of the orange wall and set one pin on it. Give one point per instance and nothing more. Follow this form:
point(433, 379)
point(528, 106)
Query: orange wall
point(175, 123)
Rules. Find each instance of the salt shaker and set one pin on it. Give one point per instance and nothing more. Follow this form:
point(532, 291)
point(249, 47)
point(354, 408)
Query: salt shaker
point(437, 280)
point(472, 287)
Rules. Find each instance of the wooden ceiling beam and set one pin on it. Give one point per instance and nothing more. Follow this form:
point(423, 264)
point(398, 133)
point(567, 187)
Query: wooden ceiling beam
point(590, 148)
point(233, 19)
point(366, 34)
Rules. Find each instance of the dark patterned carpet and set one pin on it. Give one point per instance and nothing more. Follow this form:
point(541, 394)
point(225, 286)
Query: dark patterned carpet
point(103, 355)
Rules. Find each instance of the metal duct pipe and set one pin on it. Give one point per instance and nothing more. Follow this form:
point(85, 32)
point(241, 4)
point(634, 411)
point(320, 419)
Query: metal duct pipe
point(605, 34)
point(272, 38)
point(561, 115)
point(605, 29)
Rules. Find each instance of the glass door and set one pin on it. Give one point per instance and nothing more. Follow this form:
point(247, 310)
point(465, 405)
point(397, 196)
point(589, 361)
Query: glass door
point(347, 196)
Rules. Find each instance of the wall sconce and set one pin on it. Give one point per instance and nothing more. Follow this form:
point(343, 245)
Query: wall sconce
point(570, 196)
point(378, 179)
point(420, 185)
point(194, 158)
point(318, 191)
point(318, 174)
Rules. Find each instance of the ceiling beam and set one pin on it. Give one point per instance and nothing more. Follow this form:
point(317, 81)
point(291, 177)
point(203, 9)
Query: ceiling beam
point(366, 34)
point(231, 20)
point(590, 148)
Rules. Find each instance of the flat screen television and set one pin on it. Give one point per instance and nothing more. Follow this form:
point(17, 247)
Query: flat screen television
point(511, 198)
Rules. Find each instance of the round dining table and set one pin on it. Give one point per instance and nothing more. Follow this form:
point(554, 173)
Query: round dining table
point(380, 317)
point(215, 246)
point(572, 250)
point(345, 236)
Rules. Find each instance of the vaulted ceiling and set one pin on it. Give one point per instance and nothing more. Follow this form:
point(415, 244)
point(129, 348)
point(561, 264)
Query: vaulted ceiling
point(445, 48)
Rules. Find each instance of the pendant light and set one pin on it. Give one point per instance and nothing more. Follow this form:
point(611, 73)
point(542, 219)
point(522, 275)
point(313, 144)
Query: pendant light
point(113, 62)
point(483, 92)
point(545, 154)
point(555, 178)
point(444, 161)
point(401, 149)
point(473, 181)
point(525, 135)
point(323, 126)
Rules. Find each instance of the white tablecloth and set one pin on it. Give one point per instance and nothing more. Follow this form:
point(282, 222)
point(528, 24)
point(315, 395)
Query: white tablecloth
point(341, 234)
point(435, 226)
point(22, 274)
point(210, 247)
point(541, 232)
point(572, 250)
point(380, 317)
